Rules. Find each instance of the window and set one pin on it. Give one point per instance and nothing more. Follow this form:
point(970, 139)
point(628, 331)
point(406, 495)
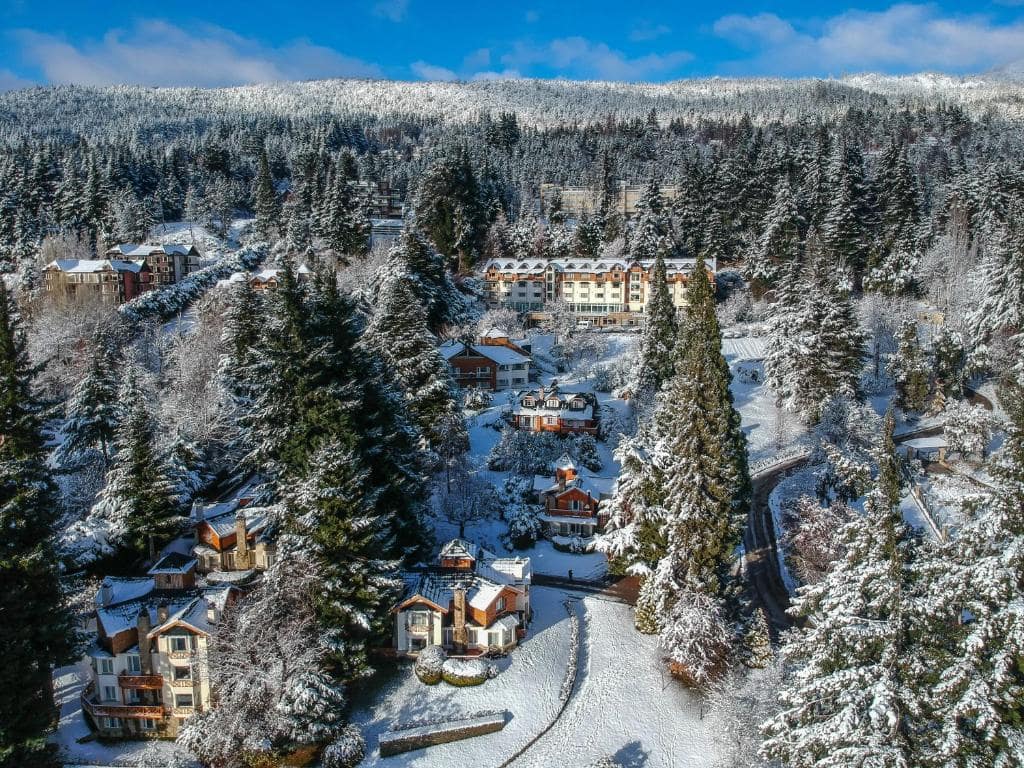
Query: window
point(577, 405)
point(109, 693)
point(106, 666)
point(183, 699)
point(111, 722)
point(134, 663)
point(182, 673)
point(179, 644)
point(528, 402)
point(553, 402)
point(419, 619)
point(574, 505)
point(551, 420)
point(500, 605)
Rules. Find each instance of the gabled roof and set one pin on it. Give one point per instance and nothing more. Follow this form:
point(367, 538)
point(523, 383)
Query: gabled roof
point(87, 266)
point(460, 548)
point(136, 251)
point(565, 462)
point(173, 562)
point(496, 353)
point(223, 523)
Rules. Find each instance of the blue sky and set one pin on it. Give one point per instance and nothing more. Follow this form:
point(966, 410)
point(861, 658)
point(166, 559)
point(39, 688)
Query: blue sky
point(227, 42)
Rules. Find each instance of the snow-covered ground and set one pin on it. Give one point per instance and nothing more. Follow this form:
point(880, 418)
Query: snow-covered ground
point(68, 682)
point(625, 703)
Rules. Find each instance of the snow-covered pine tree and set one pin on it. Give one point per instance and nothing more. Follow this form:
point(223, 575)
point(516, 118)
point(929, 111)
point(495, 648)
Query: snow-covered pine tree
point(977, 593)
point(92, 411)
point(333, 512)
point(138, 499)
point(267, 208)
point(32, 602)
point(658, 342)
point(398, 333)
point(698, 462)
point(648, 236)
point(844, 231)
point(757, 641)
point(824, 344)
point(779, 243)
point(342, 218)
point(909, 370)
point(855, 695)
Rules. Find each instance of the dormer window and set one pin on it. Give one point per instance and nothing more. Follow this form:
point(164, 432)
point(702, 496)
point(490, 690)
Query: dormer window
point(528, 402)
point(577, 405)
point(553, 402)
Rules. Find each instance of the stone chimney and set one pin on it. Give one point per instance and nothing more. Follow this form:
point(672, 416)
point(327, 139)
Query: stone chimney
point(163, 612)
point(146, 660)
point(460, 636)
point(241, 542)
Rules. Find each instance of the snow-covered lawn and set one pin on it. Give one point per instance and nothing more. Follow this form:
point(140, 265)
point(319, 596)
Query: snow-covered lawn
point(625, 703)
point(527, 686)
point(67, 683)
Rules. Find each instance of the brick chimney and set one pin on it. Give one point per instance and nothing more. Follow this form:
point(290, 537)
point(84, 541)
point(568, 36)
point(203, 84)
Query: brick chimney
point(241, 542)
point(460, 636)
point(146, 660)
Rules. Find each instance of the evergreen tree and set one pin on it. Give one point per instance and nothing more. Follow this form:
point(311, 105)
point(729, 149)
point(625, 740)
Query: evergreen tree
point(909, 370)
point(845, 233)
point(92, 413)
point(757, 642)
point(39, 634)
point(398, 333)
point(450, 209)
point(139, 496)
point(977, 591)
point(342, 219)
point(657, 345)
point(779, 243)
point(699, 452)
point(855, 696)
point(649, 235)
point(334, 511)
point(268, 211)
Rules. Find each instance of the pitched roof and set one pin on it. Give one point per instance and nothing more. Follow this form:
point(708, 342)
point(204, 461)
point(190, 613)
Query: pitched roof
point(136, 251)
point(84, 266)
point(173, 562)
point(495, 352)
point(460, 548)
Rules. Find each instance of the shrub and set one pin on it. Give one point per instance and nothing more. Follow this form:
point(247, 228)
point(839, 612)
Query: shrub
point(523, 527)
point(346, 751)
point(429, 664)
point(466, 672)
point(478, 399)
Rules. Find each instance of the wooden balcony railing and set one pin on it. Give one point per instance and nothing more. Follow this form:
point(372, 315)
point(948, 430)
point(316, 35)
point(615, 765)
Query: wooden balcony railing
point(137, 711)
point(143, 682)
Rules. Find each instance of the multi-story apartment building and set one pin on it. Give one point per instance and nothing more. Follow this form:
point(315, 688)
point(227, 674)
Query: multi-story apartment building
point(599, 291)
point(577, 201)
point(168, 263)
point(111, 280)
point(147, 669)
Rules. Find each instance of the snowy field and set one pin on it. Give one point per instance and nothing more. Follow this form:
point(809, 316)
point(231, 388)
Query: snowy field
point(624, 704)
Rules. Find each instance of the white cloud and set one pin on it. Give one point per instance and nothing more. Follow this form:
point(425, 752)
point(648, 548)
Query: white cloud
point(9, 81)
point(426, 71)
point(158, 53)
point(392, 10)
point(904, 37)
point(579, 57)
point(479, 58)
point(645, 31)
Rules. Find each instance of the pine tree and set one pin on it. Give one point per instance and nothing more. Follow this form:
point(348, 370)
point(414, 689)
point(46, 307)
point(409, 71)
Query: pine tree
point(977, 591)
point(909, 370)
point(649, 235)
point(32, 603)
point(139, 497)
point(757, 641)
point(268, 211)
point(845, 234)
point(333, 509)
point(658, 342)
point(450, 209)
point(92, 413)
point(399, 334)
point(779, 243)
point(856, 694)
point(342, 218)
point(698, 457)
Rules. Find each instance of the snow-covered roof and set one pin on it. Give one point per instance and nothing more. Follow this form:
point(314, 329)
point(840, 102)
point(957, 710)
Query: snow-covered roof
point(595, 485)
point(460, 548)
point(567, 518)
point(223, 524)
point(274, 272)
point(136, 251)
point(120, 589)
point(173, 562)
point(565, 462)
point(194, 613)
point(926, 443)
point(497, 353)
point(495, 333)
point(597, 266)
point(84, 266)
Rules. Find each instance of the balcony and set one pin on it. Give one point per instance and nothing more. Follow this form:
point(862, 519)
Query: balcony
point(132, 711)
point(183, 682)
point(141, 682)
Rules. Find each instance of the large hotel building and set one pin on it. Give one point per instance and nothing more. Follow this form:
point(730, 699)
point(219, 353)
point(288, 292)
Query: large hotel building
point(599, 291)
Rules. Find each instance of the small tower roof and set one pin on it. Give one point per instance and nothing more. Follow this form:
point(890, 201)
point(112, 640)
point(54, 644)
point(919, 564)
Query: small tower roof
point(565, 462)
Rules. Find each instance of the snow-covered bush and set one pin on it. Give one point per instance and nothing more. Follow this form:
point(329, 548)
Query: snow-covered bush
point(478, 399)
point(524, 527)
point(572, 544)
point(346, 751)
point(748, 374)
point(429, 664)
point(696, 638)
point(466, 672)
point(968, 428)
point(812, 537)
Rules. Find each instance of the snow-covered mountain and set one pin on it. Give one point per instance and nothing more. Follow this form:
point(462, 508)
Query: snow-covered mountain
point(541, 103)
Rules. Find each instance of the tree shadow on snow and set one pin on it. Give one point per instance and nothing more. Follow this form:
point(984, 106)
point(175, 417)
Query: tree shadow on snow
point(631, 755)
